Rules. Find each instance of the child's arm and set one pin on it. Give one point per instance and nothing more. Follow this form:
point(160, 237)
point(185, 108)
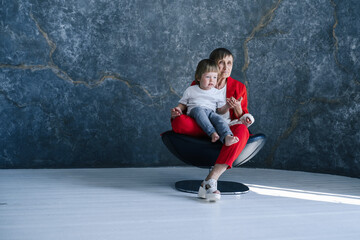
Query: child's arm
point(230, 103)
point(223, 109)
point(177, 111)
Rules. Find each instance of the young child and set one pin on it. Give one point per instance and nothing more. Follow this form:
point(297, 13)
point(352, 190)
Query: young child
point(203, 100)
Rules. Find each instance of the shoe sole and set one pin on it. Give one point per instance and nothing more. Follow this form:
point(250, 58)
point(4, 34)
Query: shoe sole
point(211, 197)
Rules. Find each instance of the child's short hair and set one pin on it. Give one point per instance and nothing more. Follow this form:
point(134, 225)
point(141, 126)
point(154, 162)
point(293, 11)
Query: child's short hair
point(204, 66)
point(219, 54)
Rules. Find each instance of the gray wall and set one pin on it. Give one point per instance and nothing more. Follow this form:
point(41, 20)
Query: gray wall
point(90, 83)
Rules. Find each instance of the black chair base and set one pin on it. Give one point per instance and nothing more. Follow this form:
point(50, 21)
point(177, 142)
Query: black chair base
point(225, 187)
point(201, 152)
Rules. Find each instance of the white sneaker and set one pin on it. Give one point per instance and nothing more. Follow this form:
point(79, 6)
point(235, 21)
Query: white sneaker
point(208, 190)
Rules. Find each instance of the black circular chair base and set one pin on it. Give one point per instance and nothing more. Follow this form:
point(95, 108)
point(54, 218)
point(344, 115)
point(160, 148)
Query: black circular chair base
point(201, 152)
point(225, 187)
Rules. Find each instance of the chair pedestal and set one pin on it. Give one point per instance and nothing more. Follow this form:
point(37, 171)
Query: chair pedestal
point(201, 152)
point(225, 187)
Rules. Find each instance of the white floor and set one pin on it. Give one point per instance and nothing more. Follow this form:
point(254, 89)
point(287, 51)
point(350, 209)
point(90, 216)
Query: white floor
point(141, 203)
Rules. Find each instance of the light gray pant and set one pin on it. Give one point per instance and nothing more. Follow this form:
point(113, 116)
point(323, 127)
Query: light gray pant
point(210, 122)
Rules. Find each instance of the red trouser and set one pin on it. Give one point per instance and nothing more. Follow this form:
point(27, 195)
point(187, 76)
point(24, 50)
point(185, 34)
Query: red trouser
point(187, 125)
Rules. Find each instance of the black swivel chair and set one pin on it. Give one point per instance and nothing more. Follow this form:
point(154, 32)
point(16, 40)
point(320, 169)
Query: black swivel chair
point(201, 152)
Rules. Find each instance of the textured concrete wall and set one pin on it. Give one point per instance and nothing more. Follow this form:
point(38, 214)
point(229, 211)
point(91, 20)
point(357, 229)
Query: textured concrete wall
point(90, 83)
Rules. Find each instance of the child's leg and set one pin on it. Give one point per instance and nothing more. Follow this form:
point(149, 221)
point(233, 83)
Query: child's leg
point(222, 127)
point(215, 137)
point(201, 116)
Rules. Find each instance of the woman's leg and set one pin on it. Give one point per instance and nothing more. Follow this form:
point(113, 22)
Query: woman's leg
point(228, 154)
point(186, 125)
point(216, 171)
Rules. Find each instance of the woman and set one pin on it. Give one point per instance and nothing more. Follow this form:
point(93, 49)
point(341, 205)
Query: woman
point(236, 92)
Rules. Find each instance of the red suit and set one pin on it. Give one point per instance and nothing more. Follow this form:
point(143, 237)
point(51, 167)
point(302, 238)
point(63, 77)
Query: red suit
point(187, 125)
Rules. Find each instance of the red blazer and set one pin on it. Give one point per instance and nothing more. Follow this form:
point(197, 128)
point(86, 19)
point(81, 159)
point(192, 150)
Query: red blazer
point(237, 90)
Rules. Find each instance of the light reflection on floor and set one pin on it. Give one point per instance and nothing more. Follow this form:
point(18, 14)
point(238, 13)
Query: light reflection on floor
point(303, 194)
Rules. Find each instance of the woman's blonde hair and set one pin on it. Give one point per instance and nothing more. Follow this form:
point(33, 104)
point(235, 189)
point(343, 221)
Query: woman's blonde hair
point(204, 66)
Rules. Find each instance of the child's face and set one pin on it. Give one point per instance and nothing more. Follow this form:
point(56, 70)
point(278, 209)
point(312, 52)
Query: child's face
point(208, 80)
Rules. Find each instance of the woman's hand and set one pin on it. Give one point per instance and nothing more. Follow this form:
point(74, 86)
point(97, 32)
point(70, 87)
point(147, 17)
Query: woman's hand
point(175, 112)
point(233, 103)
point(236, 105)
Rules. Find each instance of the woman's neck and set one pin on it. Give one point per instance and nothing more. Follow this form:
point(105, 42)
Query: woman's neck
point(221, 83)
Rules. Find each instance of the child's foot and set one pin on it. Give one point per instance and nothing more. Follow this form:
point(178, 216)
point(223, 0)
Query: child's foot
point(214, 137)
point(230, 140)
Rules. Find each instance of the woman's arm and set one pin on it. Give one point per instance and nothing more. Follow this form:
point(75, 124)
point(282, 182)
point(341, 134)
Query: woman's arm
point(236, 105)
point(237, 92)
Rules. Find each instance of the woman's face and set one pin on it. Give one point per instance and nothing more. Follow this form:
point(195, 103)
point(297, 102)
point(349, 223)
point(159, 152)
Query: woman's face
point(225, 67)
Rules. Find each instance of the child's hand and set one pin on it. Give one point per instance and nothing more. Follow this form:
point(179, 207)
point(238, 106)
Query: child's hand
point(175, 112)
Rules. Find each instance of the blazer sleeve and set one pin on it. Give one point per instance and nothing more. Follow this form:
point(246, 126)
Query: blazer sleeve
point(237, 90)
